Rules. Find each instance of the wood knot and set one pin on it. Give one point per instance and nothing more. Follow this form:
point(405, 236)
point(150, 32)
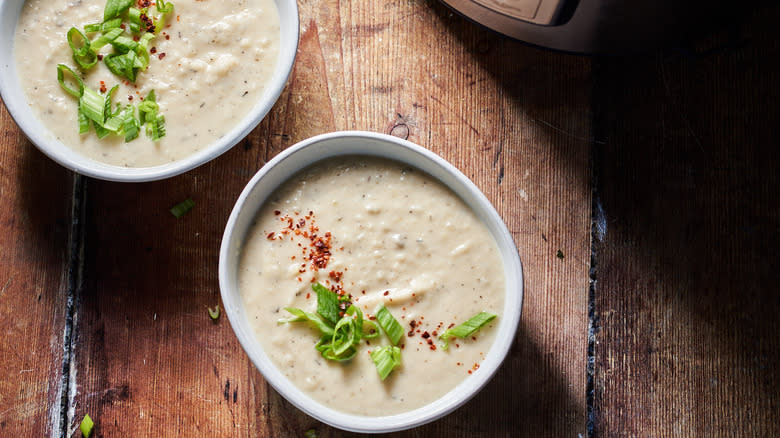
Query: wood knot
point(400, 130)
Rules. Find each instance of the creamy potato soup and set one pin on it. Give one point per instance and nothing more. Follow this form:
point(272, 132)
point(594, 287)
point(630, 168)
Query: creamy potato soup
point(208, 67)
point(383, 233)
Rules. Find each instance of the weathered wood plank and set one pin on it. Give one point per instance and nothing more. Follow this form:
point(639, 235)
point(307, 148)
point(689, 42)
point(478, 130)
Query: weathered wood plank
point(34, 237)
point(686, 291)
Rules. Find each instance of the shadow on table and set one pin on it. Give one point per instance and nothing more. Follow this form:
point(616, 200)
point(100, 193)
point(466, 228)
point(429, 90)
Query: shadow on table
point(687, 213)
point(512, 404)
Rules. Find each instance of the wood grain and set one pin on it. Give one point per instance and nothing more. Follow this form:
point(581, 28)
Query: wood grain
point(686, 282)
point(515, 119)
point(35, 231)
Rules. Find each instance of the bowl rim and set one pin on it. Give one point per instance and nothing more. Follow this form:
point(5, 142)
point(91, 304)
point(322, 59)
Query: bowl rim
point(15, 101)
point(328, 144)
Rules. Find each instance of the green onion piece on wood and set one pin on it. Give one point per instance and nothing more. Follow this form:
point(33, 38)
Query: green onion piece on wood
point(214, 314)
point(182, 208)
point(86, 426)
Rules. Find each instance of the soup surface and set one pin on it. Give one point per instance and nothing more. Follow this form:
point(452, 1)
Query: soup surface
point(208, 69)
point(383, 232)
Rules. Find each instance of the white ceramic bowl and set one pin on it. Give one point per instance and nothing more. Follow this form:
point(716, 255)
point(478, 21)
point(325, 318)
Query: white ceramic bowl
point(307, 152)
point(16, 102)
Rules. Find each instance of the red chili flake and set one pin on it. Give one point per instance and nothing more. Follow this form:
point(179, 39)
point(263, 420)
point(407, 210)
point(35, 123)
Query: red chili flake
point(459, 364)
point(433, 347)
point(270, 236)
point(426, 335)
point(153, 50)
point(372, 317)
point(386, 293)
point(167, 37)
point(363, 292)
point(299, 279)
point(473, 338)
point(434, 333)
point(130, 97)
point(308, 295)
point(469, 371)
point(277, 212)
point(100, 56)
point(451, 325)
point(102, 87)
point(161, 56)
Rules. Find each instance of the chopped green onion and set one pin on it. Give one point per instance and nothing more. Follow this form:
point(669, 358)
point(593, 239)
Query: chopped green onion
point(93, 104)
point(61, 70)
point(214, 314)
point(122, 65)
point(83, 122)
point(130, 124)
point(124, 44)
point(101, 130)
point(311, 433)
point(156, 129)
point(114, 8)
point(107, 37)
point(466, 329)
point(104, 26)
point(163, 7)
point(134, 19)
point(327, 303)
point(370, 330)
point(86, 426)
point(80, 45)
point(386, 359)
point(182, 208)
point(389, 324)
point(300, 315)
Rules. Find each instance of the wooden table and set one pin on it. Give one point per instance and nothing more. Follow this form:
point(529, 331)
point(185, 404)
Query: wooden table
point(656, 176)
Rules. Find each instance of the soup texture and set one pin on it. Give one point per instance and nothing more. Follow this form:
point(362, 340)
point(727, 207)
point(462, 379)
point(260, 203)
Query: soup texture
point(209, 65)
point(384, 233)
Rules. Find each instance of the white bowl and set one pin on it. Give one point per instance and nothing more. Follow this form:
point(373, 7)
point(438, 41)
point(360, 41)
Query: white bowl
point(15, 100)
point(307, 152)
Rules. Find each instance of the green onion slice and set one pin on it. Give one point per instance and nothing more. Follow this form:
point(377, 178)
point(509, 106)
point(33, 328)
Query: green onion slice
point(83, 122)
point(86, 426)
point(214, 314)
point(122, 65)
point(130, 125)
point(386, 359)
point(80, 45)
point(93, 104)
point(114, 8)
point(300, 315)
point(327, 303)
point(104, 26)
point(163, 7)
point(466, 329)
point(389, 324)
point(61, 70)
point(107, 37)
point(182, 208)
